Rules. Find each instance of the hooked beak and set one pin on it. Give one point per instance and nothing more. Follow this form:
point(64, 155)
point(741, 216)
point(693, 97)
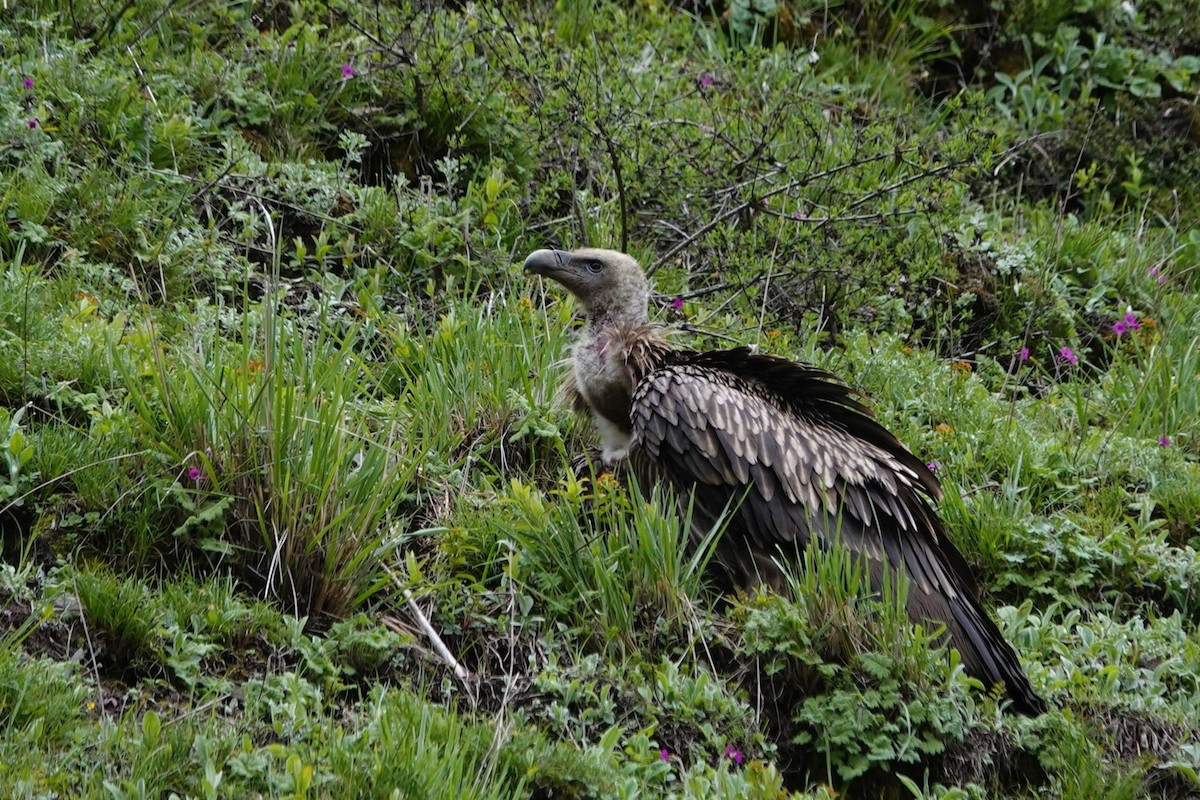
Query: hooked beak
point(547, 263)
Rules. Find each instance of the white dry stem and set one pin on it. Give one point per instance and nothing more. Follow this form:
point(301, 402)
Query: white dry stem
point(460, 672)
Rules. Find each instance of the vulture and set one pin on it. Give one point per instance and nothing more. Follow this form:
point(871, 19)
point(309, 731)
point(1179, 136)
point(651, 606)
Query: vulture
point(784, 446)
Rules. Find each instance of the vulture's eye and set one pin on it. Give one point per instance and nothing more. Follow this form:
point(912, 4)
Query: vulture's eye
point(595, 267)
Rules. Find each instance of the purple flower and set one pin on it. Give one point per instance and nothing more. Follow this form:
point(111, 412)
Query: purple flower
point(1155, 272)
point(933, 466)
point(1119, 328)
point(1132, 321)
point(1067, 355)
point(33, 123)
point(348, 72)
point(195, 475)
point(1163, 441)
point(664, 755)
point(706, 81)
point(28, 82)
point(1022, 355)
point(733, 754)
point(677, 304)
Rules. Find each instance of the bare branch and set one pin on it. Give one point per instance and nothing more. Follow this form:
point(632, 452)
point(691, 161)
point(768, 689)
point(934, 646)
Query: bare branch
point(460, 672)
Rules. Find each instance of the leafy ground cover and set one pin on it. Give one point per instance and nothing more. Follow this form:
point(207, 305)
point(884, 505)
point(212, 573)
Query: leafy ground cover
point(275, 401)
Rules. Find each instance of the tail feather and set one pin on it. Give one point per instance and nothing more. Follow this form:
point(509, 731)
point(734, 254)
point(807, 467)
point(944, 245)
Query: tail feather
point(987, 655)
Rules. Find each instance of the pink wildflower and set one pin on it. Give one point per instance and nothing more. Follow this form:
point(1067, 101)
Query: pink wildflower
point(1132, 321)
point(1119, 328)
point(664, 755)
point(28, 82)
point(734, 755)
point(1163, 441)
point(1067, 355)
point(33, 123)
point(677, 304)
point(348, 72)
point(1023, 355)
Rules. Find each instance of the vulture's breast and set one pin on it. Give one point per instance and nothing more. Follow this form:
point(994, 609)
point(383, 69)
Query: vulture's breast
point(603, 379)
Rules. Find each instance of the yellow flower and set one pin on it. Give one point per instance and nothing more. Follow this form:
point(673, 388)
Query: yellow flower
point(607, 482)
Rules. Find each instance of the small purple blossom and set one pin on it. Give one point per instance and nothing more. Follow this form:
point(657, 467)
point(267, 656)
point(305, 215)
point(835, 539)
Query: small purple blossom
point(1022, 355)
point(933, 466)
point(348, 72)
point(664, 755)
point(734, 755)
point(706, 81)
point(1155, 272)
point(33, 123)
point(1131, 321)
point(1119, 328)
point(677, 304)
point(1163, 441)
point(1067, 355)
point(27, 83)
point(195, 475)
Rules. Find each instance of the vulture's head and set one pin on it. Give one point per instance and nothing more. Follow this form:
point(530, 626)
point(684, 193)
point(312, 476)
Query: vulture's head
point(607, 283)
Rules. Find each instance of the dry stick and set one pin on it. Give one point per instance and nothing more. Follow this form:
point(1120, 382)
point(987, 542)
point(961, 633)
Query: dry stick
point(766, 292)
point(938, 170)
point(403, 56)
point(549, 223)
point(616, 166)
point(687, 327)
point(707, 290)
point(717, 220)
point(87, 637)
point(904, 212)
point(460, 671)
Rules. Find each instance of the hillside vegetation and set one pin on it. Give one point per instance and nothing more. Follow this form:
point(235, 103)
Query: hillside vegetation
point(285, 491)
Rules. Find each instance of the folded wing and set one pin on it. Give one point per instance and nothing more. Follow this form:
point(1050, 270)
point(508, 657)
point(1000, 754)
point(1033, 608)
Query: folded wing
point(803, 461)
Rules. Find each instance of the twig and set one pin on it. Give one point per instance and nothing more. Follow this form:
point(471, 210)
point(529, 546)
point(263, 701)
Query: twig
point(537, 226)
point(200, 709)
point(891, 187)
point(687, 327)
point(797, 183)
point(707, 290)
point(460, 672)
point(402, 56)
point(787, 187)
point(616, 166)
point(87, 637)
point(904, 212)
point(16, 501)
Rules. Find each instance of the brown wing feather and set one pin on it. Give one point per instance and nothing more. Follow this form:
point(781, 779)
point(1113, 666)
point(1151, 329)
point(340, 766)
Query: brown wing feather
point(801, 460)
